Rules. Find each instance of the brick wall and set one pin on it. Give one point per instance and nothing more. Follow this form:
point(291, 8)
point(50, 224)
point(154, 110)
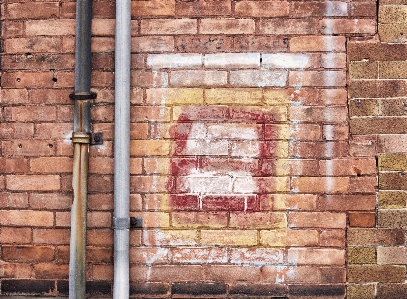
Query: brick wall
point(259, 133)
point(377, 106)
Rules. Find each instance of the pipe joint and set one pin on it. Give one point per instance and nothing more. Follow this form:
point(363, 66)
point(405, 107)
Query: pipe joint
point(81, 137)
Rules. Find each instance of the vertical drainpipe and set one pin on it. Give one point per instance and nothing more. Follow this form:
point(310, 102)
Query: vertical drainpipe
point(121, 219)
point(81, 139)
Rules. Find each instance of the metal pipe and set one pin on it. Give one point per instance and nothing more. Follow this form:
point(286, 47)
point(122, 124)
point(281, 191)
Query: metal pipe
point(81, 141)
point(121, 220)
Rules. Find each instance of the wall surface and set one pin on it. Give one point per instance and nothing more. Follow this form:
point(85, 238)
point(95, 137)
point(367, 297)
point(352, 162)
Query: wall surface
point(268, 149)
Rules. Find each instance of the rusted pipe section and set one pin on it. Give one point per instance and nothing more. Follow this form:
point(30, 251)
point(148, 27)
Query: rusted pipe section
point(81, 140)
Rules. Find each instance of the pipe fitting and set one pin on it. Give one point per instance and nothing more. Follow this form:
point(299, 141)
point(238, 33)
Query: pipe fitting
point(81, 137)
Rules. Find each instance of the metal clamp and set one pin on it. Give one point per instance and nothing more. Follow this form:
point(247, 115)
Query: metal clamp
point(83, 96)
point(121, 223)
point(81, 137)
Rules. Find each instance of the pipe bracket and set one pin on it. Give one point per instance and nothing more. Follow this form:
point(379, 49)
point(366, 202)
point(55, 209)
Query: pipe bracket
point(81, 137)
point(83, 96)
point(121, 223)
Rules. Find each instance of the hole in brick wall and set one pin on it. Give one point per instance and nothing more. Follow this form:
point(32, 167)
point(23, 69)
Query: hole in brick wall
point(54, 79)
point(28, 55)
point(20, 145)
point(18, 80)
point(50, 145)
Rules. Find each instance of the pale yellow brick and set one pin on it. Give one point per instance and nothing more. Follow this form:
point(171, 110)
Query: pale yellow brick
point(174, 96)
point(229, 237)
point(234, 96)
point(149, 147)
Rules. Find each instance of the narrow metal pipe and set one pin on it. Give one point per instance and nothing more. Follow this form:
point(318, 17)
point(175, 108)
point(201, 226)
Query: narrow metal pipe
point(81, 141)
point(121, 220)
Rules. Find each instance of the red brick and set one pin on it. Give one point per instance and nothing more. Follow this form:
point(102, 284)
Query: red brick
point(149, 256)
point(99, 237)
point(317, 78)
point(232, 273)
point(262, 9)
point(51, 271)
point(36, 10)
point(283, 238)
point(26, 218)
point(17, 270)
point(227, 26)
point(287, 202)
point(199, 255)
point(317, 219)
point(311, 256)
point(317, 9)
point(51, 236)
point(286, 26)
point(153, 8)
point(341, 26)
point(102, 9)
point(363, 184)
point(343, 167)
point(32, 44)
point(14, 200)
point(346, 202)
point(15, 235)
point(50, 201)
point(28, 79)
point(199, 219)
point(258, 256)
point(319, 114)
point(168, 26)
point(260, 43)
point(11, 28)
point(99, 254)
point(332, 238)
point(50, 27)
point(317, 43)
point(28, 253)
point(359, 219)
point(203, 43)
point(51, 165)
point(314, 150)
point(203, 8)
point(33, 182)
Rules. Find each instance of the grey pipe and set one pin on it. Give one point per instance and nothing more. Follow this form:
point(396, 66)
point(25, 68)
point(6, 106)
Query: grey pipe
point(81, 141)
point(121, 219)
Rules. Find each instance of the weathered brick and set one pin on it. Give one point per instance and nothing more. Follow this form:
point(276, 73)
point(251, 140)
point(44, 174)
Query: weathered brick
point(229, 237)
point(377, 88)
point(227, 26)
point(246, 256)
point(260, 43)
point(198, 78)
point(199, 255)
point(361, 255)
point(376, 273)
point(322, 185)
point(317, 219)
point(203, 43)
point(155, 61)
point(28, 253)
point(50, 27)
point(199, 219)
point(364, 70)
point(287, 202)
point(306, 256)
point(26, 218)
point(317, 78)
point(346, 202)
point(365, 107)
point(286, 26)
point(371, 236)
point(258, 78)
point(153, 8)
point(361, 291)
point(391, 218)
point(149, 147)
point(262, 9)
point(391, 290)
point(258, 220)
point(152, 43)
point(232, 60)
point(170, 237)
point(282, 238)
point(392, 199)
point(168, 26)
point(317, 43)
point(199, 288)
point(313, 8)
point(203, 8)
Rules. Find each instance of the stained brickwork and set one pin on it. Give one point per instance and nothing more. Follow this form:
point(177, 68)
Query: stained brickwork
point(267, 153)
